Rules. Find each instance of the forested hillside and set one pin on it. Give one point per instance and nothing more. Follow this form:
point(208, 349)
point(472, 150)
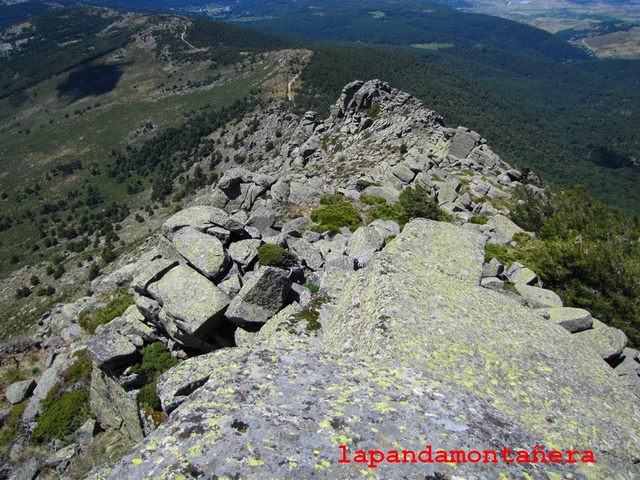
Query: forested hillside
point(571, 125)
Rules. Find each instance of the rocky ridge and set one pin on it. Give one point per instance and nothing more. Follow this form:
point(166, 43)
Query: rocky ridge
point(274, 377)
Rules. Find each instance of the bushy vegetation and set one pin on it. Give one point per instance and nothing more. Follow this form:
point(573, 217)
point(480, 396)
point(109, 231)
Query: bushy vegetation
point(334, 213)
point(66, 406)
point(120, 300)
point(155, 361)
point(587, 252)
point(414, 202)
point(275, 256)
point(9, 430)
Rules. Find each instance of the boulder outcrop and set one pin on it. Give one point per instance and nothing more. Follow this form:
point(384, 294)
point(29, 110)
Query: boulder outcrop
point(415, 354)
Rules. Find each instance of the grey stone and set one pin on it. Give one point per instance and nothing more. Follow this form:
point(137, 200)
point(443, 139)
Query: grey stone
point(608, 342)
point(492, 269)
point(403, 173)
point(205, 252)
point(311, 236)
point(148, 308)
point(390, 194)
point(446, 194)
point(262, 219)
point(197, 217)
point(176, 384)
point(112, 406)
point(308, 253)
point(492, 282)
point(191, 302)
point(27, 470)
point(300, 294)
point(244, 252)
point(72, 333)
point(523, 275)
point(220, 233)
point(538, 297)
point(49, 379)
point(152, 273)
point(62, 457)
point(504, 226)
point(572, 319)
point(222, 219)
point(294, 227)
point(253, 232)
point(231, 286)
point(260, 298)
point(462, 144)
point(386, 228)
point(362, 244)
point(341, 261)
point(19, 391)
point(112, 349)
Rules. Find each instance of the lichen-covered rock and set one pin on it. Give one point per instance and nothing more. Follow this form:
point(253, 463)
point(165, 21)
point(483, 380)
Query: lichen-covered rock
point(112, 406)
point(362, 244)
point(260, 297)
point(573, 319)
point(244, 252)
point(152, 273)
point(18, 391)
point(310, 255)
point(419, 303)
point(205, 252)
point(608, 342)
point(49, 379)
point(284, 413)
point(503, 226)
point(175, 385)
point(111, 349)
point(192, 304)
point(538, 297)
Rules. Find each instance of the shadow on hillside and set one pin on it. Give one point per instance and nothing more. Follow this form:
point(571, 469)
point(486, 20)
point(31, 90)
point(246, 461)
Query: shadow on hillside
point(90, 81)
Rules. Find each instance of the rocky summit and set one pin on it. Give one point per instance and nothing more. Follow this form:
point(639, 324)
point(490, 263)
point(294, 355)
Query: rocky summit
point(376, 351)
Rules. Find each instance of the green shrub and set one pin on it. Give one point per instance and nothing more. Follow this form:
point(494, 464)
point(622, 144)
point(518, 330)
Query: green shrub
point(62, 417)
point(155, 361)
point(331, 198)
point(479, 220)
point(275, 256)
point(89, 320)
point(332, 217)
point(9, 430)
point(393, 212)
point(311, 287)
point(372, 200)
point(148, 396)
point(417, 203)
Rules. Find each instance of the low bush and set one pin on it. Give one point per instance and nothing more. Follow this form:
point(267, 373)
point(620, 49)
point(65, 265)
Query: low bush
point(414, 202)
point(334, 216)
point(372, 200)
point(155, 361)
point(62, 417)
point(275, 256)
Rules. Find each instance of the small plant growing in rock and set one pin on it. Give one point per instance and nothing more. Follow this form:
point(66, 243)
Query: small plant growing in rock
point(89, 320)
point(275, 256)
point(66, 406)
point(479, 220)
point(155, 361)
